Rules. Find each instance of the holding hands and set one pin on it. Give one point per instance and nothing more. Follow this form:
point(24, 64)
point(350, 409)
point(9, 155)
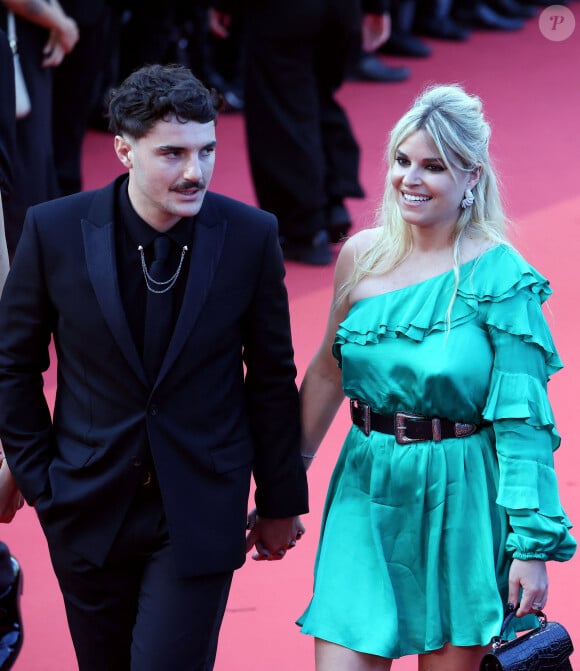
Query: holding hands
point(272, 537)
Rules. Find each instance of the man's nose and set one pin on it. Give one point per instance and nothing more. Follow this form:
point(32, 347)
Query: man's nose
point(193, 169)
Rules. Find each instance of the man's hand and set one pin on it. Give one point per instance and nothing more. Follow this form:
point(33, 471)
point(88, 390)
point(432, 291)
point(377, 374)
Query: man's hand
point(376, 30)
point(219, 23)
point(61, 42)
point(272, 538)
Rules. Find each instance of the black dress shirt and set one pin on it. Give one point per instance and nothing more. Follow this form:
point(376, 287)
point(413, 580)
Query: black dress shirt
point(132, 231)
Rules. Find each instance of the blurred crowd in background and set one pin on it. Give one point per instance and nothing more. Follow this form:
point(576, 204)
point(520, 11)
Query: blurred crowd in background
point(90, 47)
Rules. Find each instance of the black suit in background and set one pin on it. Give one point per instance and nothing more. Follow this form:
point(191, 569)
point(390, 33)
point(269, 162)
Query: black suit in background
point(224, 404)
point(303, 154)
point(75, 88)
point(7, 117)
point(10, 572)
point(34, 177)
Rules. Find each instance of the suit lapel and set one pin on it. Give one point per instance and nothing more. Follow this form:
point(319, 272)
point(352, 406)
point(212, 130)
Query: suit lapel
point(210, 229)
point(99, 244)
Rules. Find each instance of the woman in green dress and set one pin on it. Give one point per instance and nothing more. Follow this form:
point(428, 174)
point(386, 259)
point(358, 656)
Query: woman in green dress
point(443, 506)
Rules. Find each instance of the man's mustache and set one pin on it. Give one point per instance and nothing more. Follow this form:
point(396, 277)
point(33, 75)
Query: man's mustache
point(199, 184)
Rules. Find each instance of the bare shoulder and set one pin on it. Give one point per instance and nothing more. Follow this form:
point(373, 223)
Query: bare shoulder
point(364, 239)
point(473, 248)
point(361, 242)
point(356, 245)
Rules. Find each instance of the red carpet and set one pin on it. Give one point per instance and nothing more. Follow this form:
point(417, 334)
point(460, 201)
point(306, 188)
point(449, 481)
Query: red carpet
point(529, 85)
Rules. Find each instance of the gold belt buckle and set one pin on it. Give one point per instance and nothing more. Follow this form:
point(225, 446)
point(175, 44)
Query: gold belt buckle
point(401, 428)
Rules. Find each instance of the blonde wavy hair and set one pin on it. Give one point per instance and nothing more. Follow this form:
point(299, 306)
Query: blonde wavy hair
point(454, 121)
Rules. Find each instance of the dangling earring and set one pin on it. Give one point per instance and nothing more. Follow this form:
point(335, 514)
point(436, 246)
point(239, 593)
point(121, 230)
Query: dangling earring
point(467, 199)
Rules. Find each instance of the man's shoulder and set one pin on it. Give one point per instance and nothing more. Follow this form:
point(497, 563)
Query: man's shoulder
point(72, 203)
point(232, 206)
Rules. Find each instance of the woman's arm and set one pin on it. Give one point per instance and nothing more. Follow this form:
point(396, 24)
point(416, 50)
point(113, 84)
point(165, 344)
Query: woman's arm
point(321, 391)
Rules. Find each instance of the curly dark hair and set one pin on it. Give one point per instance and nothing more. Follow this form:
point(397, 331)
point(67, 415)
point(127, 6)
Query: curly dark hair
point(157, 92)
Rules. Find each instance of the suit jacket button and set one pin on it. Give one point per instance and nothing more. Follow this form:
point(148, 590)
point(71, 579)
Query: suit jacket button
point(136, 461)
point(153, 410)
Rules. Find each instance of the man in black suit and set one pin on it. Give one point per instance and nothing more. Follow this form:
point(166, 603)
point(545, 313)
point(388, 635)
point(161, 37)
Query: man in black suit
point(174, 386)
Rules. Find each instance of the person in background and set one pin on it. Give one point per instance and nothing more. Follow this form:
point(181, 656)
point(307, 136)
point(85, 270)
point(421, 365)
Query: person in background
point(7, 134)
point(45, 35)
point(403, 40)
point(74, 92)
point(152, 289)
point(10, 499)
point(11, 633)
point(484, 16)
point(434, 19)
point(368, 66)
point(444, 501)
point(216, 61)
point(304, 158)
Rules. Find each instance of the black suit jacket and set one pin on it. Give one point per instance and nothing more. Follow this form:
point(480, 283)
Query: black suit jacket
point(225, 401)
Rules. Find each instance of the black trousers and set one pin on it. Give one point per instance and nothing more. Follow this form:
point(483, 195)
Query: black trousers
point(74, 96)
point(303, 154)
point(135, 613)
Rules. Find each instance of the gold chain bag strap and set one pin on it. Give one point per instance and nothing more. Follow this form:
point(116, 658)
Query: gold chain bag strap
point(546, 648)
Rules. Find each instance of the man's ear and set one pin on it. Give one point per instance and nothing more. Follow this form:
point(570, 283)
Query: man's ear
point(124, 151)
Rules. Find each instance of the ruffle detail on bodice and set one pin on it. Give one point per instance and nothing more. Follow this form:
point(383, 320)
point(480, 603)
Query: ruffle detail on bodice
point(491, 288)
point(412, 312)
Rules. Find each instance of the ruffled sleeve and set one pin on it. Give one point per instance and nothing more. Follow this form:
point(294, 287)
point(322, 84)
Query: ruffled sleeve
point(526, 437)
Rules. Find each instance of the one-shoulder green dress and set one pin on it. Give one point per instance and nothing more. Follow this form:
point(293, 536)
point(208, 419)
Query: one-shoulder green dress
point(417, 539)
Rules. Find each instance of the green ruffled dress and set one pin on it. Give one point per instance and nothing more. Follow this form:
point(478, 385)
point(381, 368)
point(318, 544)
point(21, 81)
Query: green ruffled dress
point(417, 539)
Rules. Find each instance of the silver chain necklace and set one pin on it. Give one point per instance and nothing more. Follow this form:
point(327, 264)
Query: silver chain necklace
point(155, 286)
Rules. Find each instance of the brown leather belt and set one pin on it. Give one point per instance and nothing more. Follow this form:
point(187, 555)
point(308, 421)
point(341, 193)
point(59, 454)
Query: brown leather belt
point(408, 427)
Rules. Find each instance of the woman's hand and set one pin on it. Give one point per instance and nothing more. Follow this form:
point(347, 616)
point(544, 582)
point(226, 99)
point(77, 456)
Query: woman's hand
point(10, 497)
point(531, 575)
point(272, 538)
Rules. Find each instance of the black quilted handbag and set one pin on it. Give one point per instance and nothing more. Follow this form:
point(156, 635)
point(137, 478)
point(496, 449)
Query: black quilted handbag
point(546, 648)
